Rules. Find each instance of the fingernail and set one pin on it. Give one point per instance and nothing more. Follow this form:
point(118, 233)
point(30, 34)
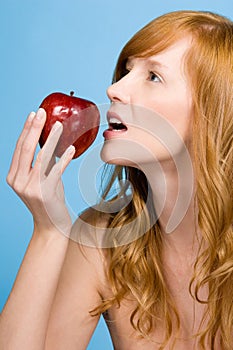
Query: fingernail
point(31, 116)
point(40, 114)
point(70, 150)
point(56, 125)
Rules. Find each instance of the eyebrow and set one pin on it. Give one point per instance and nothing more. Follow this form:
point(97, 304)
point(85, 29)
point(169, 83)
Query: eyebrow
point(150, 61)
point(156, 63)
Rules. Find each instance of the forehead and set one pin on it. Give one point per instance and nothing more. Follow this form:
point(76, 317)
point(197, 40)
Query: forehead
point(171, 56)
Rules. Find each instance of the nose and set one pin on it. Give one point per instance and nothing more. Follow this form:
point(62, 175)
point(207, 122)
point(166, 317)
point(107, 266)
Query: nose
point(120, 91)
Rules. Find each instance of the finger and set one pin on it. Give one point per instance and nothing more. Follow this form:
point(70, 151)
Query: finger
point(59, 168)
point(29, 144)
point(46, 155)
point(16, 154)
point(51, 163)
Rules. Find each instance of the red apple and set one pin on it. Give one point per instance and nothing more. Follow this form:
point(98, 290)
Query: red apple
point(80, 119)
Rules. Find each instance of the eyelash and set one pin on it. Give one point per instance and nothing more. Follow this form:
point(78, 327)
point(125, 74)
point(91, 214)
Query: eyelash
point(150, 75)
point(126, 71)
point(156, 75)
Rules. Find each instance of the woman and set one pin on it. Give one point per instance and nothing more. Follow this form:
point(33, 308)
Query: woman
point(156, 290)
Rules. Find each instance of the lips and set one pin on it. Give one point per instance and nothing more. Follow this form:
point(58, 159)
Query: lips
point(115, 122)
point(116, 126)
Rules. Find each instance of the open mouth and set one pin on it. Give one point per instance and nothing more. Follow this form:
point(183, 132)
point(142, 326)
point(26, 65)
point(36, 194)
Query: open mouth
point(116, 125)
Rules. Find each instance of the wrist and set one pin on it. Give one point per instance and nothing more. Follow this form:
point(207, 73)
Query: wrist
point(49, 235)
point(47, 227)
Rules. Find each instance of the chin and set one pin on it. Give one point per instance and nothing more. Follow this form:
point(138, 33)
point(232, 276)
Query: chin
point(117, 160)
point(113, 155)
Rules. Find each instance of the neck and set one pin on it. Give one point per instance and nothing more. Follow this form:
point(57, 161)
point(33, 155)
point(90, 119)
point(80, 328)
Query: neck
point(172, 184)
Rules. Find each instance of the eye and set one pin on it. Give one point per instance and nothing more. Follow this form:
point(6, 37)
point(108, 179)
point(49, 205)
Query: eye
point(126, 71)
point(154, 77)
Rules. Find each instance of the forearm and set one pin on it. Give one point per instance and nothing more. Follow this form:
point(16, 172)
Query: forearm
point(25, 316)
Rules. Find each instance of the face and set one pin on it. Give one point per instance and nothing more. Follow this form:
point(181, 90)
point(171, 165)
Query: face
point(151, 109)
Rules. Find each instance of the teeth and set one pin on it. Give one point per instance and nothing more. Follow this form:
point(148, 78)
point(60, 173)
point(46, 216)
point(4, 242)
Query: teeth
point(114, 120)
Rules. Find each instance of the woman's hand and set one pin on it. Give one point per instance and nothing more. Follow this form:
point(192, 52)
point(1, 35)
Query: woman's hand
point(39, 185)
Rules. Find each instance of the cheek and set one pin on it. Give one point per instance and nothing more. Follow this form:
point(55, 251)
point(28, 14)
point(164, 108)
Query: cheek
point(143, 146)
point(182, 118)
point(130, 151)
point(156, 133)
point(177, 110)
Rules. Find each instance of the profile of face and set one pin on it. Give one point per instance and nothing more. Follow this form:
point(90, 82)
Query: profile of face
point(151, 109)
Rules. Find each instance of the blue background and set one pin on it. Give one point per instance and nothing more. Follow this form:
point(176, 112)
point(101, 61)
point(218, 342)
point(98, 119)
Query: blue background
point(52, 45)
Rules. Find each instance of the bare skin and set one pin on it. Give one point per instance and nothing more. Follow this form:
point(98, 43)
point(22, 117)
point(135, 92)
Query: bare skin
point(124, 337)
point(73, 329)
point(60, 281)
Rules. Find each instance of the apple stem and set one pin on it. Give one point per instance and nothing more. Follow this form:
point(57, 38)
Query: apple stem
point(71, 93)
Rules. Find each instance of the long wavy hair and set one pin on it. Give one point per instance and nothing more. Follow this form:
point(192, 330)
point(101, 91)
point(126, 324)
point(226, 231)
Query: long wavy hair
point(135, 268)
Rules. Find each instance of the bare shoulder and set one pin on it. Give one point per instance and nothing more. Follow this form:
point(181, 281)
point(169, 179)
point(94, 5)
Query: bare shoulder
point(80, 289)
point(96, 217)
point(91, 227)
point(88, 235)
